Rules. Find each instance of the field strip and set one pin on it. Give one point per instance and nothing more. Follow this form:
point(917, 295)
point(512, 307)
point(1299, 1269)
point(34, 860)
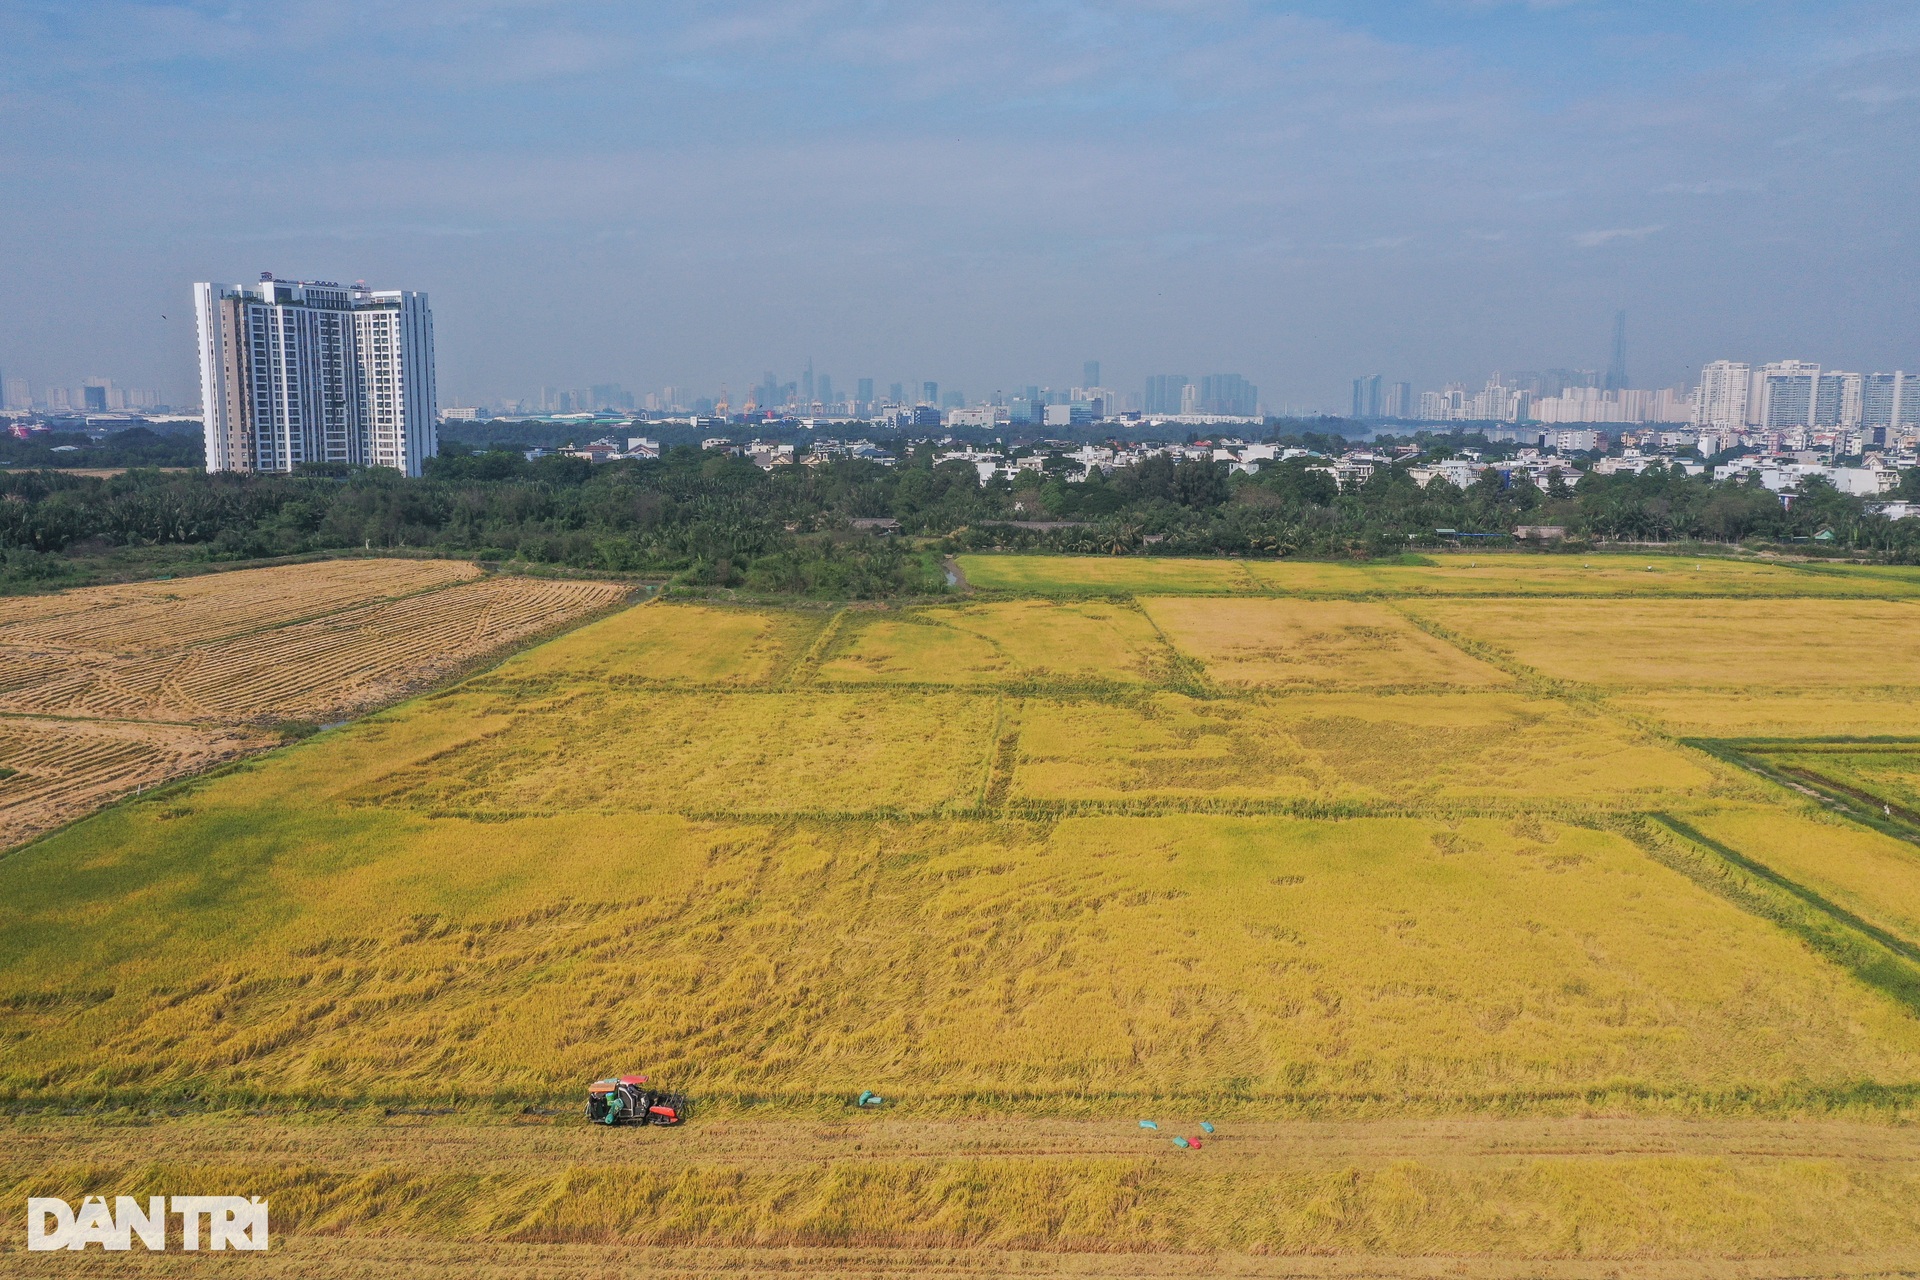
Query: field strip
point(889, 1195)
point(1188, 673)
point(485, 1141)
point(1048, 811)
point(1389, 595)
point(810, 658)
point(352, 1257)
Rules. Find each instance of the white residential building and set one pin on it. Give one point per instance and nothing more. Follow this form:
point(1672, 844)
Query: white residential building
point(310, 371)
point(1722, 396)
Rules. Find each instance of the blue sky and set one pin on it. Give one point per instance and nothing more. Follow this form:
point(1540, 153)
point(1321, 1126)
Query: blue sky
point(982, 194)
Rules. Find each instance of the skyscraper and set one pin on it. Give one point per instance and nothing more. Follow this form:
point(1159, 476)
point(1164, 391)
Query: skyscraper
point(1366, 396)
point(1399, 401)
point(1090, 374)
point(864, 395)
point(309, 371)
point(930, 393)
point(1228, 393)
point(1617, 367)
point(1163, 392)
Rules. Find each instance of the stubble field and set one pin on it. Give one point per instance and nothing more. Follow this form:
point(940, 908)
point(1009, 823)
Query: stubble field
point(1481, 956)
point(109, 690)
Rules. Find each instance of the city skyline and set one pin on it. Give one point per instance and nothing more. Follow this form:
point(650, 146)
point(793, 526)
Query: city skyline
point(1298, 192)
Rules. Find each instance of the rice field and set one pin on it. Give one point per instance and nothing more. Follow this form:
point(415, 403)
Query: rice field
point(1493, 573)
point(108, 690)
point(1356, 753)
point(1268, 642)
point(1019, 641)
point(1105, 575)
point(885, 1195)
point(1862, 710)
point(1871, 874)
point(1700, 644)
point(1479, 928)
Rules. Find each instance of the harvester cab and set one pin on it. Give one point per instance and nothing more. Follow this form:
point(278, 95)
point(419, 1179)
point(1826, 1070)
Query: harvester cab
point(628, 1100)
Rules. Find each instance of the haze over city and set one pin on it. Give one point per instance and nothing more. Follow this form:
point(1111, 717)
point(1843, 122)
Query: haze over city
point(983, 196)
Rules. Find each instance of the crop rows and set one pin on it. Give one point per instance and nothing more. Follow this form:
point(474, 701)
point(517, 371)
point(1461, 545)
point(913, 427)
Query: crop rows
point(312, 642)
point(142, 617)
point(324, 665)
point(53, 770)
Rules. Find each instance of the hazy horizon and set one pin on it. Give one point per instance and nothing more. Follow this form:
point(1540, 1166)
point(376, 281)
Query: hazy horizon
point(985, 197)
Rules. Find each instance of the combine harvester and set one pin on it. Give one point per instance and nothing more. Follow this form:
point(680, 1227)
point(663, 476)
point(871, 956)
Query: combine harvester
point(627, 1100)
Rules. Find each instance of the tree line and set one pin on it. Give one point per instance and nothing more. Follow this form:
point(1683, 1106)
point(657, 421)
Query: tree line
point(712, 519)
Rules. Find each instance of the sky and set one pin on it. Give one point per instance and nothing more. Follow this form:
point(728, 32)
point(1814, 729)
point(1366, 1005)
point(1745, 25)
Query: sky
point(984, 194)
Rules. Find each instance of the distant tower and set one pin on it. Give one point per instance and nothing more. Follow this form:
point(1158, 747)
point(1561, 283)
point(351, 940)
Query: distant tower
point(1090, 374)
point(1617, 367)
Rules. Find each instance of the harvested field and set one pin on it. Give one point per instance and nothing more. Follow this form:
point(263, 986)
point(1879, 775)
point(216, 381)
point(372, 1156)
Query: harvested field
point(53, 771)
point(144, 617)
point(1313, 642)
point(308, 668)
point(170, 675)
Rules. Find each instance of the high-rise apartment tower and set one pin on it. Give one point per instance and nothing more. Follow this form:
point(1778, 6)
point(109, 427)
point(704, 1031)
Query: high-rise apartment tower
point(310, 371)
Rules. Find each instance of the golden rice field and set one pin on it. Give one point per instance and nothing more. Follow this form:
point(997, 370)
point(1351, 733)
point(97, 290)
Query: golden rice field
point(1469, 574)
point(108, 690)
point(1276, 642)
point(1496, 935)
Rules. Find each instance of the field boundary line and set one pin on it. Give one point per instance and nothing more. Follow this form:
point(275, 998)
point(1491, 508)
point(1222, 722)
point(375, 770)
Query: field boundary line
point(1189, 674)
point(192, 1098)
point(996, 777)
point(800, 673)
